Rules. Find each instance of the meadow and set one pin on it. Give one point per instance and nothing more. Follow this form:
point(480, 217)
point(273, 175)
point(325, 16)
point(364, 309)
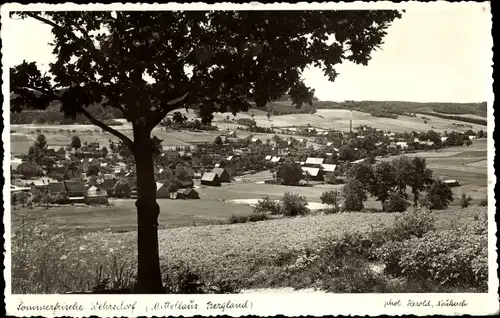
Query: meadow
point(251, 255)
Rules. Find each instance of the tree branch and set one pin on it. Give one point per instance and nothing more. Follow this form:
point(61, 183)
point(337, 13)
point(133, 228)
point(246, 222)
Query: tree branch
point(104, 127)
point(90, 45)
point(164, 109)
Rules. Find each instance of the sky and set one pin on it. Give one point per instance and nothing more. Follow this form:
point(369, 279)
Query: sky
point(429, 55)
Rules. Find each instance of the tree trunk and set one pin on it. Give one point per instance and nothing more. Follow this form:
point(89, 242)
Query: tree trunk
point(148, 272)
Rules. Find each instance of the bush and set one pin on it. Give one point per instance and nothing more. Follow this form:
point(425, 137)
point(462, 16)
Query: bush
point(255, 217)
point(415, 223)
point(294, 204)
point(181, 279)
point(396, 203)
point(332, 199)
point(465, 200)
point(483, 202)
point(337, 265)
point(445, 257)
point(268, 205)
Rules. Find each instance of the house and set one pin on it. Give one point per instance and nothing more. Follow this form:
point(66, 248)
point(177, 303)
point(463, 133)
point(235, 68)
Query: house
point(56, 188)
point(328, 144)
point(161, 191)
point(268, 157)
point(314, 174)
point(56, 152)
point(222, 174)
point(314, 162)
point(188, 183)
point(256, 140)
point(275, 159)
point(188, 193)
point(472, 137)
point(328, 167)
point(402, 144)
point(96, 195)
point(443, 139)
point(15, 162)
point(210, 179)
point(75, 190)
point(452, 182)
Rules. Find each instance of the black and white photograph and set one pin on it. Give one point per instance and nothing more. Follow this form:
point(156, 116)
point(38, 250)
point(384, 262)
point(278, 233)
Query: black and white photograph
point(232, 159)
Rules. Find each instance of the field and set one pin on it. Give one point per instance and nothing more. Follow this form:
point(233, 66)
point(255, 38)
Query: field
point(252, 254)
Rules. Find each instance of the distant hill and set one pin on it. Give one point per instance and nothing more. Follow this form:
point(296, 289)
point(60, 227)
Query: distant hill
point(389, 109)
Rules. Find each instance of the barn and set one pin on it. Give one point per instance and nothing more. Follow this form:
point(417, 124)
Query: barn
point(75, 190)
point(210, 179)
point(315, 174)
point(161, 191)
point(186, 194)
point(222, 174)
point(96, 195)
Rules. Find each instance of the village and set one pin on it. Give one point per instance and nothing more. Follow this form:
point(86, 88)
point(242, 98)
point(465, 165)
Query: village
point(91, 173)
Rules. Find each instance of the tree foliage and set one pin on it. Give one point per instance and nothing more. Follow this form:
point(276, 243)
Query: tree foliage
point(438, 196)
point(76, 142)
point(354, 195)
point(290, 173)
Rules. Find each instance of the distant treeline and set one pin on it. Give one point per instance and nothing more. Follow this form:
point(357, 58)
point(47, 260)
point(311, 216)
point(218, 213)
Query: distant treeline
point(389, 109)
point(54, 116)
point(477, 121)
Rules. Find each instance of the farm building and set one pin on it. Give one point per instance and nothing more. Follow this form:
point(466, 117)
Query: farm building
point(222, 174)
point(402, 144)
point(188, 183)
point(161, 191)
point(96, 195)
point(56, 187)
point(186, 194)
point(56, 152)
point(275, 159)
point(314, 162)
point(210, 179)
point(314, 174)
point(75, 190)
point(328, 167)
point(452, 183)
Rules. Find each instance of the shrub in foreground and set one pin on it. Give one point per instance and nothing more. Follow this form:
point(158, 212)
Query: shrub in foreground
point(396, 203)
point(445, 257)
point(294, 205)
point(410, 224)
point(268, 205)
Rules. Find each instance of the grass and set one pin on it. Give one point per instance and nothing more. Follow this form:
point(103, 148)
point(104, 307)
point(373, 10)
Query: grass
point(251, 254)
point(121, 216)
